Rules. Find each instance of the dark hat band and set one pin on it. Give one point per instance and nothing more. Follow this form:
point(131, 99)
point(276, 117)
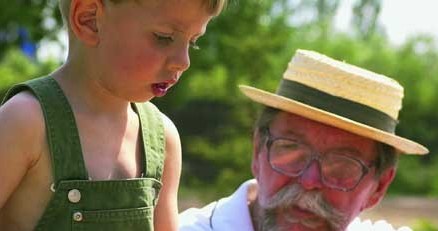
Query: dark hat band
point(336, 105)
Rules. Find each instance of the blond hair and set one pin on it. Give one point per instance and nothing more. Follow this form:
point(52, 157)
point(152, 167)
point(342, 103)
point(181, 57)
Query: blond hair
point(214, 7)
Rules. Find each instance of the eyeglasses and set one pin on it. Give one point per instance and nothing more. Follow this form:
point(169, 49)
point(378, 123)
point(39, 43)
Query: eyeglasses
point(339, 168)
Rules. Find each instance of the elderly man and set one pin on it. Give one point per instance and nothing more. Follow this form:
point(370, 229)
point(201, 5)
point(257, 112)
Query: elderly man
point(324, 150)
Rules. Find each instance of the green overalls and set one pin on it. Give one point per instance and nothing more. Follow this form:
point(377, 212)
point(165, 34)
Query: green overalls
point(79, 203)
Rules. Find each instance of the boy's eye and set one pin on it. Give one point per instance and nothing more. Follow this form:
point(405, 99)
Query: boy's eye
point(165, 39)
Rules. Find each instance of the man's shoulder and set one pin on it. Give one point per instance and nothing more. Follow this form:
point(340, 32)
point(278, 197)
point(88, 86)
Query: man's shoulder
point(197, 219)
point(228, 213)
point(367, 225)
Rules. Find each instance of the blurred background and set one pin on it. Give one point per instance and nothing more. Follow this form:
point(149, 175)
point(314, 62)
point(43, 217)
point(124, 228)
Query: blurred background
point(251, 43)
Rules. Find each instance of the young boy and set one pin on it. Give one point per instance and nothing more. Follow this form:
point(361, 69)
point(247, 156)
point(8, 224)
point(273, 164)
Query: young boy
point(75, 153)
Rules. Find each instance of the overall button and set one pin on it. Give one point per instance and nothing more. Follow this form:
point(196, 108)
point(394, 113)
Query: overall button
point(52, 187)
point(77, 216)
point(74, 196)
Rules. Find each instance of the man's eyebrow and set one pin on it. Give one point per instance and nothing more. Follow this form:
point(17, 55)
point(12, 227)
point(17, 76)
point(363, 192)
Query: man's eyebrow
point(291, 133)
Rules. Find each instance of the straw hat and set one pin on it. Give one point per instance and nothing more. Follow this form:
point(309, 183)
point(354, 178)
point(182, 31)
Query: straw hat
point(342, 95)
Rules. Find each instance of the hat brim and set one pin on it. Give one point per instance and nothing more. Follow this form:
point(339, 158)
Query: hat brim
point(285, 104)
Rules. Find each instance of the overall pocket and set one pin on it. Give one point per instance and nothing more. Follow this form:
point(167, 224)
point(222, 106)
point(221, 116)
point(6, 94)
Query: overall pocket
point(113, 220)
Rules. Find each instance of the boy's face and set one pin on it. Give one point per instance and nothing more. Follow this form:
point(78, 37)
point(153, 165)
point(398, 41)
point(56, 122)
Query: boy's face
point(143, 47)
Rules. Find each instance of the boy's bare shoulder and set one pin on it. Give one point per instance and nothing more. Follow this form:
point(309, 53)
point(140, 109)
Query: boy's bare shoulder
point(172, 140)
point(23, 111)
point(23, 125)
point(171, 134)
point(169, 126)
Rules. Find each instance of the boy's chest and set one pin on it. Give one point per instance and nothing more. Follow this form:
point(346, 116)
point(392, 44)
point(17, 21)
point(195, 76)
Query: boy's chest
point(113, 159)
point(111, 152)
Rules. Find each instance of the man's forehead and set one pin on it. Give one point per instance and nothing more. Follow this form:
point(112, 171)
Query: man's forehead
point(293, 124)
point(322, 137)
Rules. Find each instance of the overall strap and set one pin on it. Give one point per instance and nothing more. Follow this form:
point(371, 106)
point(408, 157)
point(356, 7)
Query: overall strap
point(152, 129)
point(62, 133)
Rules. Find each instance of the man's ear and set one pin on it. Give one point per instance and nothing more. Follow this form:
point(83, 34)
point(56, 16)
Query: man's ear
point(383, 183)
point(255, 166)
point(256, 148)
point(83, 18)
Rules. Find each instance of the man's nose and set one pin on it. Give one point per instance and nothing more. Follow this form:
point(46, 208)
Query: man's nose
point(180, 60)
point(310, 179)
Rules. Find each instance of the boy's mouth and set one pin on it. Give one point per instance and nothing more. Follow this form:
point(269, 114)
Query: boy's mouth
point(160, 89)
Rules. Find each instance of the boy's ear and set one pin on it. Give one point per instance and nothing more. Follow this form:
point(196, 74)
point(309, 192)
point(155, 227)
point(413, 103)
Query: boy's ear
point(83, 20)
point(382, 185)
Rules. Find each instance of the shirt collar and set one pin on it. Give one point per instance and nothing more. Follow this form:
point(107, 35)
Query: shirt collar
point(232, 213)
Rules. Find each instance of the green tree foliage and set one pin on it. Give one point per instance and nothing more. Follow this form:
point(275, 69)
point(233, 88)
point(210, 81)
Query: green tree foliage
point(366, 14)
point(424, 225)
point(323, 12)
point(16, 67)
point(38, 18)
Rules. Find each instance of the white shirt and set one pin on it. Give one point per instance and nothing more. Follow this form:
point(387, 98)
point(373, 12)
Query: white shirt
point(232, 213)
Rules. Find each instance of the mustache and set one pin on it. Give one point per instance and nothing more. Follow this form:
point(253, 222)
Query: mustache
point(295, 196)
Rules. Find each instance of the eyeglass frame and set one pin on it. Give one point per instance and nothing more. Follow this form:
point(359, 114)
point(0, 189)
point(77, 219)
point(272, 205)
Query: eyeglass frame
point(315, 156)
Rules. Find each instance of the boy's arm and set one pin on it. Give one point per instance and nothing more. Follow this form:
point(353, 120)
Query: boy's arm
point(166, 211)
point(21, 134)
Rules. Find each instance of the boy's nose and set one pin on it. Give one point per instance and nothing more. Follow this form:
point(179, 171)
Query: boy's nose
point(310, 179)
point(180, 61)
